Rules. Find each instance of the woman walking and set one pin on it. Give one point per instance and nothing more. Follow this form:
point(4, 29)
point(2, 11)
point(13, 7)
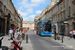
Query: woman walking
point(74, 34)
point(71, 35)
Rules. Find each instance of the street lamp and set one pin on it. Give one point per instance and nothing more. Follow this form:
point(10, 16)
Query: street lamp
point(54, 28)
point(62, 29)
point(58, 37)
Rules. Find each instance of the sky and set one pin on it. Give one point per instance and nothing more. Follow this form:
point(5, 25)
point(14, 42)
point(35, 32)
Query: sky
point(28, 9)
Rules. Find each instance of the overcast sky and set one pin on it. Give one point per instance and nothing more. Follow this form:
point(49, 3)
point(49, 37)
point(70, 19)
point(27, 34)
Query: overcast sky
point(28, 9)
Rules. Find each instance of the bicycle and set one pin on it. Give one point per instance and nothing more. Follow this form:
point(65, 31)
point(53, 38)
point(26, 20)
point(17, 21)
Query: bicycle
point(15, 46)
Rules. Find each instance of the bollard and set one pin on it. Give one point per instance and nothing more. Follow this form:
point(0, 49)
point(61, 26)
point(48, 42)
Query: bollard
point(55, 36)
point(26, 38)
point(62, 38)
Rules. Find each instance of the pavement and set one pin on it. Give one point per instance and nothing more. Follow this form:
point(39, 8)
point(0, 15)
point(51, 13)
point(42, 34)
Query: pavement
point(24, 45)
point(67, 41)
point(28, 46)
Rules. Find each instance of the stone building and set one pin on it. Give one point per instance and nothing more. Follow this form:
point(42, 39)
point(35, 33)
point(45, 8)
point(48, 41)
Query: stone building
point(8, 16)
point(35, 21)
point(62, 14)
point(28, 25)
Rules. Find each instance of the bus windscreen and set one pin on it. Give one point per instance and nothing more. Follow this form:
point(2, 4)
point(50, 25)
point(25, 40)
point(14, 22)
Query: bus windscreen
point(47, 26)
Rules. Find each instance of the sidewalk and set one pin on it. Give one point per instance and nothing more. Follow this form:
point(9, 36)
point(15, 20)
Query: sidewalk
point(70, 43)
point(24, 45)
point(66, 41)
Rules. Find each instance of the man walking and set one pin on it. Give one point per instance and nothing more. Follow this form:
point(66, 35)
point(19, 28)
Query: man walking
point(10, 33)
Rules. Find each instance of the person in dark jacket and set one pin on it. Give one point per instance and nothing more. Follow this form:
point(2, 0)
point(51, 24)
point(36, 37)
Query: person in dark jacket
point(13, 32)
point(55, 33)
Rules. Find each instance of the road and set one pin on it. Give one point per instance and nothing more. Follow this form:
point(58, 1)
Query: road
point(44, 43)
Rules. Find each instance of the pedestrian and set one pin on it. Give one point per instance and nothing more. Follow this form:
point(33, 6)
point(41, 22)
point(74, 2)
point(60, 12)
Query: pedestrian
point(13, 32)
point(10, 34)
point(71, 35)
point(55, 33)
point(74, 34)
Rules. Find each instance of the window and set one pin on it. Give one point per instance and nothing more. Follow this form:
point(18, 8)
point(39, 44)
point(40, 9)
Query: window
point(61, 6)
point(74, 26)
point(61, 16)
point(69, 11)
point(58, 8)
point(74, 9)
point(64, 16)
point(64, 4)
point(58, 18)
point(4, 9)
point(52, 12)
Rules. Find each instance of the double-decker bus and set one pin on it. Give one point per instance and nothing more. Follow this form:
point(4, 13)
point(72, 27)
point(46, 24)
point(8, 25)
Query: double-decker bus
point(44, 27)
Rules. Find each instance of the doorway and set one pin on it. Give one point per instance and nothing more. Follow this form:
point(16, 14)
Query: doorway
point(74, 26)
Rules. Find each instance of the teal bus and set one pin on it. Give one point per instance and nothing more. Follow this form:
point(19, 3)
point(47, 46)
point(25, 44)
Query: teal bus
point(44, 27)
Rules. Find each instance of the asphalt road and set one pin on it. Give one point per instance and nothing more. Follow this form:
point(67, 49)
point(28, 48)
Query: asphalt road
point(44, 43)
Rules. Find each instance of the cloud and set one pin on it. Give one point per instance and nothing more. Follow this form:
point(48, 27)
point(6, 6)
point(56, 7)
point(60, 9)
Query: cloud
point(30, 10)
point(29, 18)
point(27, 6)
point(38, 12)
point(24, 1)
point(33, 3)
point(22, 13)
point(32, 16)
point(25, 18)
point(37, 1)
point(21, 8)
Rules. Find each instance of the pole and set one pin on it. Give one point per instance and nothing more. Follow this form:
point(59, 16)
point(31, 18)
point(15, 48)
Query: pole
point(62, 38)
point(26, 38)
point(55, 33)
point(62, 31)
point(55, 36)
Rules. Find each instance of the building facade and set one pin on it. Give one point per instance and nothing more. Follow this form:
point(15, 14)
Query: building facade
point(8, 16)
point(62, 14)
point(28, 25)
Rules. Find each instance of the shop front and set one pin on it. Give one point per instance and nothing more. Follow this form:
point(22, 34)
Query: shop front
point(2, 26)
